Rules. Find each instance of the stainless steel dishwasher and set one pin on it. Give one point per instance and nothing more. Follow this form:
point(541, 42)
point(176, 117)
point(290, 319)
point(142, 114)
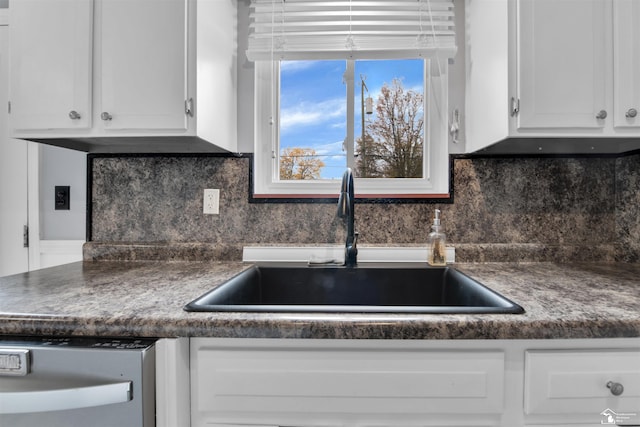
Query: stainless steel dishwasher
point(77, 382)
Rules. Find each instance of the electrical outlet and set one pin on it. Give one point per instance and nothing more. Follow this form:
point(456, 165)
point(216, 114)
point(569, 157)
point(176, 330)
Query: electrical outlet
point(211, 204)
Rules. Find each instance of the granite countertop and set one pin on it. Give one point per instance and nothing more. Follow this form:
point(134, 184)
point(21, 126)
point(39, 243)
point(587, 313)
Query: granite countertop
point(145, 299)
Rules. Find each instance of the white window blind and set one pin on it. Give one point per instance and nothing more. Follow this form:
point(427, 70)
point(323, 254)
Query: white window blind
point(355, 29)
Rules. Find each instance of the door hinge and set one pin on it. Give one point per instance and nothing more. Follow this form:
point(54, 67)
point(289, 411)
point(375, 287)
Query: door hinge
point(188, 107)
point(25, 236)
point(515, 106)
point(9, 107)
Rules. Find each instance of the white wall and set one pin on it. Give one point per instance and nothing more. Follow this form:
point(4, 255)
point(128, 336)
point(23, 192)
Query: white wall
point(60, 166)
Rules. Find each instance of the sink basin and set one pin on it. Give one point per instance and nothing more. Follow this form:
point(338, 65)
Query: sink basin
point(363, 289)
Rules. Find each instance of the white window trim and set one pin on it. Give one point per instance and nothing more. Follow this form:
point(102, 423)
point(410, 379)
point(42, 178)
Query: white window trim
point(435, 183)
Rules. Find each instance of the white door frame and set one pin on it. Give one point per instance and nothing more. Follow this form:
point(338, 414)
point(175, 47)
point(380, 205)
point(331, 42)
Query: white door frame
point(33, 197)
point(33, 190)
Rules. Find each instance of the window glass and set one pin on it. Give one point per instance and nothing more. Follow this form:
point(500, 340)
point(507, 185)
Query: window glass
point(389, 119)
point(387, 115)
point(313, 114)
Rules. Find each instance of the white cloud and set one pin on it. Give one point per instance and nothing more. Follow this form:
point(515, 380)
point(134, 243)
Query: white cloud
point(305, 113)
point(295, 66)
point(331, 148)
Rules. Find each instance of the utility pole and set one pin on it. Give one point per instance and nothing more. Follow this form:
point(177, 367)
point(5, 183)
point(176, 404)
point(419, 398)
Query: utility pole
point(363, 86)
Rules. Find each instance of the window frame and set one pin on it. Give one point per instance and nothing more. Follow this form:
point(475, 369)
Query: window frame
point(434, 184)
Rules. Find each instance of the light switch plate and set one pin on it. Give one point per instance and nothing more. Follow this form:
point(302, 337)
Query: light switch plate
point(61, 197)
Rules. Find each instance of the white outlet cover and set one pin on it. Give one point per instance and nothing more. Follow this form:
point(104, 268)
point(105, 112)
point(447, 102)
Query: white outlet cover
point(211, 204)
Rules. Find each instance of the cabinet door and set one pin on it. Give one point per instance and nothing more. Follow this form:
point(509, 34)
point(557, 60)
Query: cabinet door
point(51, 43)
point(562, 60)
point(142, 74)
point(580, 384)
point(626, 36)
point(279, 386)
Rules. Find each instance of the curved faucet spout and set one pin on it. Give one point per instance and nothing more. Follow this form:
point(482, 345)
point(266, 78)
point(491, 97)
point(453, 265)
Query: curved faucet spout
point(346, 204)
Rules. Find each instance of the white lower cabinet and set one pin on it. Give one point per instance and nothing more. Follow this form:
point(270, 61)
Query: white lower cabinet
point(402, 383)
point(364, 383)
point(583, 386)
point(172, 382)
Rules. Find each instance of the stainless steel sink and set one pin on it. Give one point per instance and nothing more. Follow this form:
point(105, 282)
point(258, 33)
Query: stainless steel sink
point(414, 288)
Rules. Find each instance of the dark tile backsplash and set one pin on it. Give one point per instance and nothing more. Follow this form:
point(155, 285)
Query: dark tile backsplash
point(627, 202)
point(576, 208)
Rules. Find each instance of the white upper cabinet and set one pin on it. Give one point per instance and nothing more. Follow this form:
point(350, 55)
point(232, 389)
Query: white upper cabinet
point(545, 74)
point(51, 43)
point(626, 56)
point(124, 76)
point(561, 73)
point(142, 56)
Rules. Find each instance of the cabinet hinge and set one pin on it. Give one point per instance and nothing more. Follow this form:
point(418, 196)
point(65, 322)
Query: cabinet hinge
point(25, 236)
point(188, 107)
point(515, 106)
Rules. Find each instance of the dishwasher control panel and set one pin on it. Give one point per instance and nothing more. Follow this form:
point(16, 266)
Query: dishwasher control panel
point(102, 343)
point(14, 361)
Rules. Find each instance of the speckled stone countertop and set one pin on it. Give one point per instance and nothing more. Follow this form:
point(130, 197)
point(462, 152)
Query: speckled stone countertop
point(145, 299)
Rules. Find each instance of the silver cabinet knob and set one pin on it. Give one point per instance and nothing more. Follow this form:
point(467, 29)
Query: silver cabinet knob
point(631, 113)
point(616, 388)
point(74, 115)
point(601, 115)
point(106, 116)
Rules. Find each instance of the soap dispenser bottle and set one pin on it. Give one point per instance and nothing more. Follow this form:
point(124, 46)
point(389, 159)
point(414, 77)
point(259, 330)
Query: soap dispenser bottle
point(437, 253)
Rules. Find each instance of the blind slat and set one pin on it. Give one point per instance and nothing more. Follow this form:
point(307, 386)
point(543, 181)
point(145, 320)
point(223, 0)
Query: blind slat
point(373, 25)
point(305, 29)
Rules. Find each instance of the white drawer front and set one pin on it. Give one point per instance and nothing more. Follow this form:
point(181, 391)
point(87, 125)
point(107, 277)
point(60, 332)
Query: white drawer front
point(575, 382)
point(236, 383)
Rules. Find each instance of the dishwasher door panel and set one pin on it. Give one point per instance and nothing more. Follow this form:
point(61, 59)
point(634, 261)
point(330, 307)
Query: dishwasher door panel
point(72, 385)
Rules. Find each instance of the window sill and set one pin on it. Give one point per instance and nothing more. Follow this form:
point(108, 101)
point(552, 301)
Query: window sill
point(362, 198)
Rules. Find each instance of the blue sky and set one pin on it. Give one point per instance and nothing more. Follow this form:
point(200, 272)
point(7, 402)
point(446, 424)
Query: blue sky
point(313, 103)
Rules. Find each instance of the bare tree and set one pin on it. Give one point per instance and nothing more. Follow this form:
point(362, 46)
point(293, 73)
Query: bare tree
point(300, 163)
point(394, 140)
point(367, 164)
